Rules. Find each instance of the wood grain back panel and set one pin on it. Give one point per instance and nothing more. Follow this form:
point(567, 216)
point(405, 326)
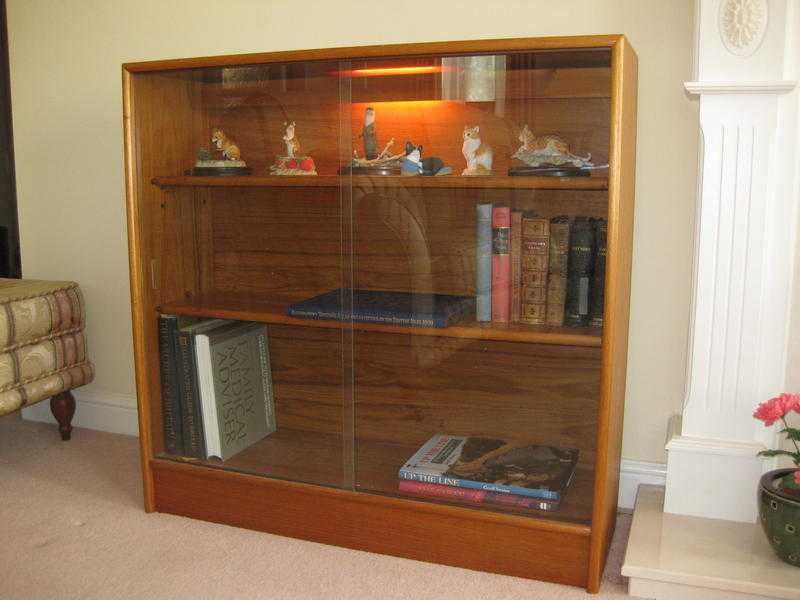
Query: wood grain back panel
point(282, 244)
point(287, 244)
point(307, 377)
point(408, 388)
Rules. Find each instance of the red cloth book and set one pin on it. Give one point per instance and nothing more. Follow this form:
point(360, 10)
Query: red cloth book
point(474, 496)
point(501, 264)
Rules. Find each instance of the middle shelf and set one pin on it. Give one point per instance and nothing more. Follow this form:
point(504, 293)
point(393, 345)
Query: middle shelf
point(488, 182)
point(246, 308)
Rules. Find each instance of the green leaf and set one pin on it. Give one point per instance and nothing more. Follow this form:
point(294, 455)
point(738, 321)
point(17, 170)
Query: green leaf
point(795, 455)
point(788, 482)
point(792, 433)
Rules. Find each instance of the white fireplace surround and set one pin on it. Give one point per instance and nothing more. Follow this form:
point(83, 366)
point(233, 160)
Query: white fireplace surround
point(746, 67)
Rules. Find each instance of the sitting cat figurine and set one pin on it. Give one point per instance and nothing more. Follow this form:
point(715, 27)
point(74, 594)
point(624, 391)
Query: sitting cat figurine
point(477, 154)
point(230, 150)
point(553, 144)
point(292, 143)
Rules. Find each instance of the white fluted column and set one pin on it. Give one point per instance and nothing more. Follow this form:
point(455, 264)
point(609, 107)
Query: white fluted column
point(746, 52)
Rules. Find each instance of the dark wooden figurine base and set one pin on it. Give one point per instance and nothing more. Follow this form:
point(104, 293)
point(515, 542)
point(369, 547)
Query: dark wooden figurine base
point(382, 170)
point(219, 171)
point(563, 171)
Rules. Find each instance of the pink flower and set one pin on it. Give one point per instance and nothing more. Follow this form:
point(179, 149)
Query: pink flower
point(777, 408)
point(797, 477)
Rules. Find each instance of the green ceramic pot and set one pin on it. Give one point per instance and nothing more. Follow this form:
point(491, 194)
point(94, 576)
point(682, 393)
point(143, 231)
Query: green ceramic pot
point(780, 516)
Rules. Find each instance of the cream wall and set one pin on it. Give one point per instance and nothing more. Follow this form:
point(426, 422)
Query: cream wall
point(65, 77)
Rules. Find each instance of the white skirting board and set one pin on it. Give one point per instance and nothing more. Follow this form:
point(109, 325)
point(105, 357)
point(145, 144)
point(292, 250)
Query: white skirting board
point(116, 413)
point(95, 409)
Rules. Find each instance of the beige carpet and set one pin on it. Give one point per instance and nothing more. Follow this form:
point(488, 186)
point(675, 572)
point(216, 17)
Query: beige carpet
point(72, 526)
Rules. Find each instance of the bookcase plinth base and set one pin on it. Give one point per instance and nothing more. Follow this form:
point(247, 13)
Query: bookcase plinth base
point(462, 537)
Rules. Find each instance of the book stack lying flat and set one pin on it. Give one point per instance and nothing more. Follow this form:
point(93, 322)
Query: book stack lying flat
point(539, 271)
point(490, 471)
point(216, 386)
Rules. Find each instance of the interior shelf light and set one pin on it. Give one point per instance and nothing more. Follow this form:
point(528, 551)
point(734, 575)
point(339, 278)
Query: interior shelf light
point(383, 71)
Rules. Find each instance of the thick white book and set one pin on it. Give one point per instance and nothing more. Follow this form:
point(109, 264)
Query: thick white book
point(235, 383)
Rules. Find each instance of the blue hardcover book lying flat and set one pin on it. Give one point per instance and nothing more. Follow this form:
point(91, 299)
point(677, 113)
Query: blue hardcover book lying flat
point(394, 308)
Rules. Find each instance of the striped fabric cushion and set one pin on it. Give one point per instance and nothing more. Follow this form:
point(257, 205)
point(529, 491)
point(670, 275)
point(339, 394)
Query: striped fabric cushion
point(42, 344)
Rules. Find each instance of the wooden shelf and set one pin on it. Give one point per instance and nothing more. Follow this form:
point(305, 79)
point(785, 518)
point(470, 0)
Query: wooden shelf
point(392, 181)
point(316, 458)
point(243, 308)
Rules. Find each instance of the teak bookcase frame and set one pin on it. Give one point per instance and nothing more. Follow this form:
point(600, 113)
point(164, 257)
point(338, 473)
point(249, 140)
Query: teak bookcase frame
point(165, 210)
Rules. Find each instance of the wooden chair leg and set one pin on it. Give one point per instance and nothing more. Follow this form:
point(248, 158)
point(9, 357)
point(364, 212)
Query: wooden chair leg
point(63, 407)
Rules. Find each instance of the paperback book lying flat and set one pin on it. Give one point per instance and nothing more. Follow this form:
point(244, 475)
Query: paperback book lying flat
point(494, 465)
point(394, 308)
point(419, 489)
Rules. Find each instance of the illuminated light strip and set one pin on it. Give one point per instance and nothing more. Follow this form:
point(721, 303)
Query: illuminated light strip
point(378, 71)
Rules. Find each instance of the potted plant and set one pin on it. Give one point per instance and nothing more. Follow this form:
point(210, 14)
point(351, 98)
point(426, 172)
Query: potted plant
point(779, 490)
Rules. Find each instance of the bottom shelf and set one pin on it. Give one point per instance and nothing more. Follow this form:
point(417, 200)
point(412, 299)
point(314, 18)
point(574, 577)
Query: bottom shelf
point(317, 458)
point(534, 548)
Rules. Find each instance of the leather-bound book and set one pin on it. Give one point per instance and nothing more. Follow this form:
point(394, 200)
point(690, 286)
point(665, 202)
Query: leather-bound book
point(557, 270)
point(535, 257)
point(516, 265)
point(483, 266)
point(501, 264)
point(579, 272)
point(599, 275)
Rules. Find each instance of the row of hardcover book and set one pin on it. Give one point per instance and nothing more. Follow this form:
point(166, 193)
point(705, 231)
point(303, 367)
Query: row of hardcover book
point(539, 271)
point(489, 471)
point(216, 386)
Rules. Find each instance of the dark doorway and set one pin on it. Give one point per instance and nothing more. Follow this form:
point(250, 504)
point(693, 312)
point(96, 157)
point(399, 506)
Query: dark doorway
point(9, 229)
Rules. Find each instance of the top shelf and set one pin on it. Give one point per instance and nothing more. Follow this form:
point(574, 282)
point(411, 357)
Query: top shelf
point(453, 182)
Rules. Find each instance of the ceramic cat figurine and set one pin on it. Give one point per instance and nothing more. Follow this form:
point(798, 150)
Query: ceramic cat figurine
point(551, 143)
point(230, 150)
point(477, 154)
point(292, 143)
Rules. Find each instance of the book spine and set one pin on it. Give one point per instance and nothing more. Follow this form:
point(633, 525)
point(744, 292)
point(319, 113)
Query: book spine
point(193, 439)
point(557, 271)
point(535, 257)
point(266, 380)
point(170, 400)
point(599, 275)
point(478, 485)
point(208, 402)
point(309, 313)
point(442, 491)
point(483, 267)
point(433, 490)
point(442, 319)
point(501, 264)
point(516, 265)
point(579, 273)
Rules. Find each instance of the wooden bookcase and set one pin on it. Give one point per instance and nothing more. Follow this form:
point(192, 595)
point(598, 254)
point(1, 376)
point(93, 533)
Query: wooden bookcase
point(354, 401)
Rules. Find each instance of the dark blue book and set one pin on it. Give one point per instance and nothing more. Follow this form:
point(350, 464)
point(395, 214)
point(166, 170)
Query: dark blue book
point(393, 308)
point(170, 383)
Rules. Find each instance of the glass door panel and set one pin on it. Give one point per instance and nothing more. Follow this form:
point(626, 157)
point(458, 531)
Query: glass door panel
point(248, 228)
point(433, 139)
